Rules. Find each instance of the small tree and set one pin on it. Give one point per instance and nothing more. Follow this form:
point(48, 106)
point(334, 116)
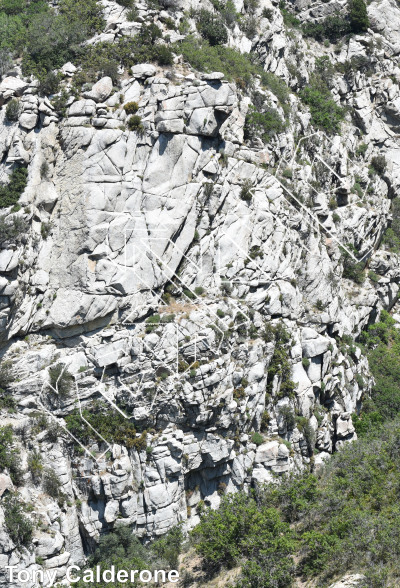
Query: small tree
point(358, 15)
point(12, 110)
point(61, 380)
point(18, 526)
point(211, 27)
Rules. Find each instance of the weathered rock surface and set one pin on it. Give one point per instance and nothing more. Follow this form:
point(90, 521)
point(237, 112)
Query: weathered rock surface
point(126, 227)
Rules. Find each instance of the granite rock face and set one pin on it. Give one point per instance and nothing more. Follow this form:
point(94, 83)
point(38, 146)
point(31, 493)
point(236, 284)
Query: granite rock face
point(167, 267)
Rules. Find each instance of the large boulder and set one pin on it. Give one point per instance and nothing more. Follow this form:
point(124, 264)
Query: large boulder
point(101, 90)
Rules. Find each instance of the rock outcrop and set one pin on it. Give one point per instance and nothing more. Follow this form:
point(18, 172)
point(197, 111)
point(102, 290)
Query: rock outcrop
point(190, 280)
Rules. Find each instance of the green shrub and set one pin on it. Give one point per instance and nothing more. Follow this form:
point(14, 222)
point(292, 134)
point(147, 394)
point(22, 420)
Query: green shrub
point(61, 381)
point(51, 483)
point(288, 417)
point(238, 67)
point(131, 107)
point(246, 191)
point(211, 27)
point(257, 439)
point(49, 83)
point(53, 38)
point(352, 270)
point(325, 113)
point(240, 529)
point(358, 15)
point(289, 19)
point(378, 164)
point(373, 277)
point(110, 424)
point(332, 27)
point(306, 362)
point(263, 125)
point(12, 229)
point(362, 149)
point(135, 124)
point(12, 110)
point(9, 455)
point(121, 548)
point(382, 344)
point(280, 365)
point(19, 527)
point(11, 192)
point(391, 237)
point(347, 512)
point(35, 465)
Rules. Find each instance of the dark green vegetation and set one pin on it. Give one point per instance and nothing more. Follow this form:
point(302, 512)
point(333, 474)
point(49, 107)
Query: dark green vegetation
point(123, 550)
point(280, 365)
point(336, 26)
point(47, 39)
point(391, 238)
point(238, 67)
point(344, 519)
point(325, 113)
point(12, 229)
point(211, 27)
point(6, 377)
point(381, 343)
point(9, 455)
point(352, 270)
point(110, 424)
point(263, 124)
point(61, 381)
point(19, 527)
point(10, 193)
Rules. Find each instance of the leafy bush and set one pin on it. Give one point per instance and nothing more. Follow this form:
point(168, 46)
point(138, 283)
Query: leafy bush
point(111, 425)
point(378, 164)
point(19, 527)
point(238, 67)
point(11, 192)
point(382, 344)
point(332, 27)
point(358, 15)
point(35, 465)
point(344, 519)
point(135, 124)
point(288, 417)
point(391, 237)
point(289, 19)
point(352, 270)
point(325, 113)
point(239, 529)
point(49, 83)
point(211, 27)
point(61, 381)
point(12, 229)
point(131, 107)
point(280, 365)
point(53, 38)
point(263, 124)
point(9, 456)
point(12, 110)
point(122, 548)
point(257, 438)
point(246, 190)
point(51, 483)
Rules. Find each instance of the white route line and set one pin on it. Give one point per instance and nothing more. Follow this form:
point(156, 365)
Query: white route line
point(86, 449)
point(319, 133)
